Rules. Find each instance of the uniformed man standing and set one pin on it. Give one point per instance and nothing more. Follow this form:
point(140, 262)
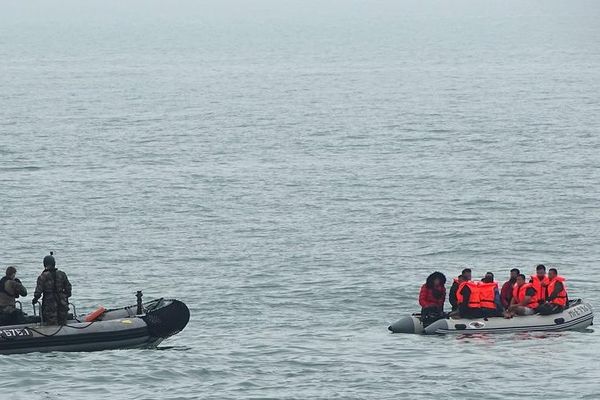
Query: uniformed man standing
point(56, 289)
point(10, 289)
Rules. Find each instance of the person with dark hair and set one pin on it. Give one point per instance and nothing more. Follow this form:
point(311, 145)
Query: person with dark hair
point(432, 297)
point(507, 288)
point(468, 298)
point(466, 274)
point(524, 300)
point(10, 290)
point(489, 296)
point(54, 285)
point(557, 299)
point(540, 282)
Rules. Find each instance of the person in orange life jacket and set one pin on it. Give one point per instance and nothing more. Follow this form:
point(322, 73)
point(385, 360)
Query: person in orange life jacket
point(556, 299)
point(467, 296)
point(489, 296)
point(540, 281)
point(524, 300)
point(466, 274)
point(507, 288)
point(432, 297)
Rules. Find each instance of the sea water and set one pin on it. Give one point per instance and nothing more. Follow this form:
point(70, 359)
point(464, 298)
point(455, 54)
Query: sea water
point(293, 171)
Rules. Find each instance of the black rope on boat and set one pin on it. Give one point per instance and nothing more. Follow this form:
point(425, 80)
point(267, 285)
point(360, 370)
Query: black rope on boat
point(81, 327)
point(43, 334)
point(60, 328)
point(3, 335)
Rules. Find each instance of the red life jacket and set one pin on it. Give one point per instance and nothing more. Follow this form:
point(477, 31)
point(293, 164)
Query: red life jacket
point(519, 295)
point(561, 299)
point(487, 294)
point(473, 299)
point(540, 290)
point(427, 298)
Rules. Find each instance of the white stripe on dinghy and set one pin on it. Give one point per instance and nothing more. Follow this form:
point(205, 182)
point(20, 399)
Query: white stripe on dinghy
point(530, 328)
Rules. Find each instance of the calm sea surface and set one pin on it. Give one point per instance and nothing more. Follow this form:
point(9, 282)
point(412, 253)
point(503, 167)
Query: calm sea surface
point(293, 170)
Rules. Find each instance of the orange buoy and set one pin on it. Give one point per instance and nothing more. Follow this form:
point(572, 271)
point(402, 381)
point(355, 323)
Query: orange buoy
point(94, 315)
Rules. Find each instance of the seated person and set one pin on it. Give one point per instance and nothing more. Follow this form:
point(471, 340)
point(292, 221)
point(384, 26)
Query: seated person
point(489, 296)
point(10, 290)
point(524, 300)
point(556, 300)
point(467, 295)
point(507, 288)
point(432, 297)
point(466, 275)
point(540, 282)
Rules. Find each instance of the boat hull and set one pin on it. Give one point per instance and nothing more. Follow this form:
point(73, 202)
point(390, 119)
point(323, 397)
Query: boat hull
point(578, 316)
point(120, 330)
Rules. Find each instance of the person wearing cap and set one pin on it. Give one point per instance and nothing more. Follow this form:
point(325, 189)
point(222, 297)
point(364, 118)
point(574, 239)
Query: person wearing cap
point(10, 290)
point(55, 288)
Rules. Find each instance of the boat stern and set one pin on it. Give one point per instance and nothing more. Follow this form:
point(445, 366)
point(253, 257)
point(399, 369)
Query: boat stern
point(168, 320)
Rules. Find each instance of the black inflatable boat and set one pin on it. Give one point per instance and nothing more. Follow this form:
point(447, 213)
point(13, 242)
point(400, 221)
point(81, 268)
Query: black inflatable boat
point(143, 325)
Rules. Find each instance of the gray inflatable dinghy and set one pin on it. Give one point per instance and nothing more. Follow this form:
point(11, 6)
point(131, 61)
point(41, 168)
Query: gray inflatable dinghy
point(143, 325)
point(578, 316)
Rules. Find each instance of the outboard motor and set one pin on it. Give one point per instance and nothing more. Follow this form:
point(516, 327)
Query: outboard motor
point(167, 320)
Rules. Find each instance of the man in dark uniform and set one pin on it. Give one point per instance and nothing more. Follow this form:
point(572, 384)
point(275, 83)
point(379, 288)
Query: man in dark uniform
point(10, 290)
point(56, 289)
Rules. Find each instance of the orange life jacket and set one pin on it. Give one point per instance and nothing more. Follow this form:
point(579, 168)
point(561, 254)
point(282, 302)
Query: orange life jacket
point(540, 290)
point(487, 294)
point(519, 295)
point(561, 299)
point(473, 299)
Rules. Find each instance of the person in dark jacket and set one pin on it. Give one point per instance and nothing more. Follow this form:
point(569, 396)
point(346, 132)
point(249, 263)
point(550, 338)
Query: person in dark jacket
point(55, 288)
point(432, 297)
point(466, 274)
point(507, 288)
point(10, 290)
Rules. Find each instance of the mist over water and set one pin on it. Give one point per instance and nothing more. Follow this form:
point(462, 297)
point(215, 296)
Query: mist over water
point(293, 171)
